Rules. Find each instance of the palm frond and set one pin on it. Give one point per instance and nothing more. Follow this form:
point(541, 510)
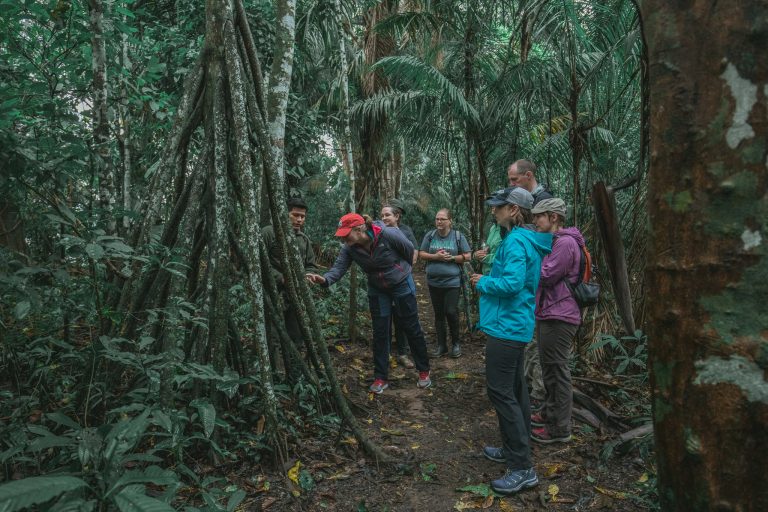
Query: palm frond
point(429, 80)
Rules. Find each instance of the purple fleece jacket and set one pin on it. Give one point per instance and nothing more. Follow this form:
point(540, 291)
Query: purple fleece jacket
point(554, 300)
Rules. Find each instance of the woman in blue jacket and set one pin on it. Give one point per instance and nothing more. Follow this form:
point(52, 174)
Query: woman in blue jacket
point(385, 255)
point(507, 303)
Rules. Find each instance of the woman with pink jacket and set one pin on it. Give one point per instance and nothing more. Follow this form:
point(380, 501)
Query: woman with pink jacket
point(557, 319)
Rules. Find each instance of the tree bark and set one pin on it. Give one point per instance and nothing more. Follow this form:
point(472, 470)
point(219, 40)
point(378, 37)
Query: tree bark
point(104, 170)
point(280, 78)
point(707, 267)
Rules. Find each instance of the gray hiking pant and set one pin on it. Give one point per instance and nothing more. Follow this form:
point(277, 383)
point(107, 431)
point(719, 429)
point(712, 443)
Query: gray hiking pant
point(555, 338)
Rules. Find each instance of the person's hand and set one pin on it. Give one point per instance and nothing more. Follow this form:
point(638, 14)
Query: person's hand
point(315, 278)
point(480, 254)
point(474, 278)
point(444, 255)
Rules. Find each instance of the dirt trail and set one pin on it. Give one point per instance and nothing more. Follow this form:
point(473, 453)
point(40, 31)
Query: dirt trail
point(438, 434)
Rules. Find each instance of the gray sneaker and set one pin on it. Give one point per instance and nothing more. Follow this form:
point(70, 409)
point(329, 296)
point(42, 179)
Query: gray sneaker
point(515, 480)
point(494, 454)
point(424, 380)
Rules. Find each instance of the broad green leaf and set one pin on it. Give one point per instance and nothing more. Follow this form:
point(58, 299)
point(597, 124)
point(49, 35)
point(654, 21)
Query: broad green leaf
point(31, 491)
point(95, 251)
point(207, 413)
point(131, 501)
point(22, 310)
point(43, 443)
point(62, 419)
point(235, 500)
point(153, 474)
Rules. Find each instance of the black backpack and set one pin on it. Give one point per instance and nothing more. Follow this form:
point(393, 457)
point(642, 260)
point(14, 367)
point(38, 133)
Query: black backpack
point(585, 291)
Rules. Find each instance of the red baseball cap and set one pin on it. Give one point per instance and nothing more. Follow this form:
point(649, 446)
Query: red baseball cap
point(347, 222)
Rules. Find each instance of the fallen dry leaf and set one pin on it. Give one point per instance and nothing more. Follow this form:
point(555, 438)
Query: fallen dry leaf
point(552, 469)
point(341, 475)
point(619, 495)
point(340, 348)
point(293, 473)
point(506, 506)
point(260, 425)
point(488, 503)
point(268, 503)
point(466, 505)
point(553, 489)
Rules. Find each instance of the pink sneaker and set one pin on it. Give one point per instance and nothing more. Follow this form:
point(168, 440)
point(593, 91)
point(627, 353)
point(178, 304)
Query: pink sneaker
point(424, 380)
point(378, 386)
point(542, 435)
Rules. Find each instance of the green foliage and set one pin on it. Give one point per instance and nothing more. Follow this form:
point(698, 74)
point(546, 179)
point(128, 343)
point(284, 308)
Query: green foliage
point(25, 493)
point(631, 352)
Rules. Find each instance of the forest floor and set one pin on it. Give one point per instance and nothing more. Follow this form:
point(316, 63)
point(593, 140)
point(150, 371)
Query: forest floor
point(438, 434)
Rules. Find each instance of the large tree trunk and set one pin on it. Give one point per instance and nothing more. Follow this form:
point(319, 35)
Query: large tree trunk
point(707, 265)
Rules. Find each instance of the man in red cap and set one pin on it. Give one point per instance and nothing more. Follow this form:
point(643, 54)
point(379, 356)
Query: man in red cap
point(385, 255)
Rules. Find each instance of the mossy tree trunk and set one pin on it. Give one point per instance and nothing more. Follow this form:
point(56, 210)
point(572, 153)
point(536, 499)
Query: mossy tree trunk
point(213, 218)
point(707, 266)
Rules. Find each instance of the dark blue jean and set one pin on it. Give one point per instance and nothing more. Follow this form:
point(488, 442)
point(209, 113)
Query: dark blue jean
point(399, 300)
point(505, 380)
point(399, 336)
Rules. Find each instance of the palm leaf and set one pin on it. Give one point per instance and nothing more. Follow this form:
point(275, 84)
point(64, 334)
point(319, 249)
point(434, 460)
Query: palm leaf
point(428, 79)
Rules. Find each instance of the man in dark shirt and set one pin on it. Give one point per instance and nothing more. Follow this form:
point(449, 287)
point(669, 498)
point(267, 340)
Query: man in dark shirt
point(297, 215)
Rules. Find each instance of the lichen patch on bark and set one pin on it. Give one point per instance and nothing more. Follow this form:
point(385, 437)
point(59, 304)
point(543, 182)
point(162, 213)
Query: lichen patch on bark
point(751, 239)
point(744, 93)
point(735, 370)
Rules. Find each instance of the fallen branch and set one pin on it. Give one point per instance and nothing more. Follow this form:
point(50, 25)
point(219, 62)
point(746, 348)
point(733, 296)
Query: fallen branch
point(605, 415)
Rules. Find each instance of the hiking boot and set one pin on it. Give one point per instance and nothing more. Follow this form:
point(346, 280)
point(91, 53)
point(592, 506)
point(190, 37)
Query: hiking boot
point(424, 380)
point(494, 454)
point(542, 435)
point(537, 420)
point(378, 386)
point(514, 481)
point(441, 350)
point(456, 350)
point(405, 361)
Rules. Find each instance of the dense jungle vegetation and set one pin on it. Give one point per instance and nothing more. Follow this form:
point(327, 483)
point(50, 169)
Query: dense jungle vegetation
point(144, 143)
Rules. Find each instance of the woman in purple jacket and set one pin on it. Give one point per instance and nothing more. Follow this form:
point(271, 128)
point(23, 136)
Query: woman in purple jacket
point(557, 319)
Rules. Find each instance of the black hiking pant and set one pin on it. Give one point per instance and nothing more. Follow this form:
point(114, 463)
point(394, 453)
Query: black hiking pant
point(507, 391)
point(400, 300)
point(445, 303)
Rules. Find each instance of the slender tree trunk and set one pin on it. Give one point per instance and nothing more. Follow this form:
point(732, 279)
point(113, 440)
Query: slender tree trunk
point(349, 161)
point(123, 132)
point(280, 78)
point(707, 265)
point(104, 170)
